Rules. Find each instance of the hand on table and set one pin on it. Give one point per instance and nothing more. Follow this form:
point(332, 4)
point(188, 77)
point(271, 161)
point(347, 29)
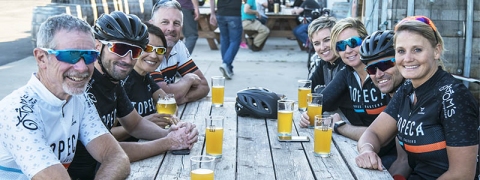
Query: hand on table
point(369, 160)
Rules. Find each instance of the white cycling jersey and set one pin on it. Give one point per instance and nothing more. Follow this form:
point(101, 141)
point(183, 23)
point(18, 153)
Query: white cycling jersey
point(38, 130)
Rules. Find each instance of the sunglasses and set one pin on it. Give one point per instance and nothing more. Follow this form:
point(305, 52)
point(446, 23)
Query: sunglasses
point(352, 42)
point(121, 49)
point(161, 3)
point(73, 56)
point(158, 50)
point(421, 19)
point(383, 65)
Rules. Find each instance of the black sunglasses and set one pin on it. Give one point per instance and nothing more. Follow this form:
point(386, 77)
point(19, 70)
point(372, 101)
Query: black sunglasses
point(383, 65)
point(159, 3)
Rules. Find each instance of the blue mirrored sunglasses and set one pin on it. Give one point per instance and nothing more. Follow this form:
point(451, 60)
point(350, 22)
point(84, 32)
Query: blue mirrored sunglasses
point(351, 42)
point(383, 65)
point(72, 56)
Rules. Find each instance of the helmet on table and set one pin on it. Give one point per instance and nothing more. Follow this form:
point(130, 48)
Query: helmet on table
point(121, 27)
point(257, 102)
point(377, 45)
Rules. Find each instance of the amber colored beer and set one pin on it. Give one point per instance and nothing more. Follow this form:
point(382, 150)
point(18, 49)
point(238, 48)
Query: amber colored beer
point(166, 106)
point(217, 95)
point(285, 119)
point(312, 111)
point(302, 97)
point(214, 140)
point(323, 139)
point(202, 174)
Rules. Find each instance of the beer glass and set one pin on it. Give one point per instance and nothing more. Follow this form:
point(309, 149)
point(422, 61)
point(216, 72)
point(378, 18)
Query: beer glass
point(218, 90)
point(304, 88)
point(166, 104)
point(285, 118)
point(314, 101)
point(214, 135)
point(202, 167)
point(322, 135)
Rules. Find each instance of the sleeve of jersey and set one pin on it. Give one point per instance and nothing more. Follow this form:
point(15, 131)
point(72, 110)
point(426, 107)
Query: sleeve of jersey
point(157, 76)
point(124, 105)
point(187, 67)
point(317, 76)
point(460, 115)
point(91, 126)
point(335, 90)
point(152, 83)
point(26, 144)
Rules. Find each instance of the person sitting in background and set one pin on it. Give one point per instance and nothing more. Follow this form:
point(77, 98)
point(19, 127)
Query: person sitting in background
point(192, 86)
point(433, 115)
point(42, 121)
point(120, 39)
point(140, 87)
point(304, 12)
point(250, 22)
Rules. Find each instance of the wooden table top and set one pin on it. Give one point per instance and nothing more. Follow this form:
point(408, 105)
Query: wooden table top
point(251, 151)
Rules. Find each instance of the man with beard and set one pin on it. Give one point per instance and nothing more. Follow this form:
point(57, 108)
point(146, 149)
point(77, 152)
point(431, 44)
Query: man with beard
point(42, 121)
point(120, 39)
point(177, 60)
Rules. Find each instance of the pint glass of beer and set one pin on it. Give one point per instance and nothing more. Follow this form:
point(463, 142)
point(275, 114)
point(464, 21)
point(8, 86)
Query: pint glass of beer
point(304, 88)
point(285, 118)
point(314, 101)
point(322, 135)
point(218, 90)
point(202, 167)
point(214, 135)
point(166, 104)
point(276, 8)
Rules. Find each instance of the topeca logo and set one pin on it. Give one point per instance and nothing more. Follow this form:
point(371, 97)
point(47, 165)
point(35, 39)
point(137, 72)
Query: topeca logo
point(422, 110)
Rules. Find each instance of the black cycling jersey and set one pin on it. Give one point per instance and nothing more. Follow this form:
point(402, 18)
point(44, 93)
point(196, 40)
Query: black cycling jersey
point(445, 114)
point(111, 102)
point(367, 101)
point(323, 75)
point(140, 91)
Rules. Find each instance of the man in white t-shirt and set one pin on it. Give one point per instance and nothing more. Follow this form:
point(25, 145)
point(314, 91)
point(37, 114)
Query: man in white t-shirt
point(177, 60)
point(42, 121)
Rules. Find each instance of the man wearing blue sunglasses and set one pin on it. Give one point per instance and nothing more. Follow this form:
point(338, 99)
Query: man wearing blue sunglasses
point(42, 121)
point(120, 39)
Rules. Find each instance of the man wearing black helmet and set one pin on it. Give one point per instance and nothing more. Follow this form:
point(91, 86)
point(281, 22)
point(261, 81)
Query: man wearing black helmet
point(120, 39)
point(167, 15)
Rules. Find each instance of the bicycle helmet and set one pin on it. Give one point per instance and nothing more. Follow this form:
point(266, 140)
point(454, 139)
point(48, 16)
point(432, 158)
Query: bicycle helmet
point(257, 102)
point(377, 45)
point(121, 27)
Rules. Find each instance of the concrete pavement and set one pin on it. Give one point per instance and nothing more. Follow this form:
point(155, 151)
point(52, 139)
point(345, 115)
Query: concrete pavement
point(277, 67)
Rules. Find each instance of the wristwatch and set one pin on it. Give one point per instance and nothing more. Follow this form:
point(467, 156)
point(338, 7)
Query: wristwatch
point(337, 125)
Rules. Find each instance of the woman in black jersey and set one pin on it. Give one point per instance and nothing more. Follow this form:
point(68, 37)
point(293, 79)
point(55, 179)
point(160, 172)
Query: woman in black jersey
point(433, 115)
point(354, 83)
point(141, 89)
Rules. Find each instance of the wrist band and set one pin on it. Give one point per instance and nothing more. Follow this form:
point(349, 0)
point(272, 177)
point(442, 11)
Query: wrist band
point(367, 144)
point(398, 177)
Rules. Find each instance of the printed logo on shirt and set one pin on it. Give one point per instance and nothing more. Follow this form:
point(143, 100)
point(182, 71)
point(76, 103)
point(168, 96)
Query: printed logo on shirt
point(65, 148)
point(367, 100)
point(422, 110)
point(447, 101)
point(24, 111)
point(144, 107)
point(409, 128)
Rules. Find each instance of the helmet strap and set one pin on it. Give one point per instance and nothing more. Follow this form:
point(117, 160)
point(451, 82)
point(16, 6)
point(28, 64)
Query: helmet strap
point(105, 72)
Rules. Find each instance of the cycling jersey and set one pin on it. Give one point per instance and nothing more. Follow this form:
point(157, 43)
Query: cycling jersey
point(111, 102)
point(179, 62)
point(140, 91)
point(445, 114)
point(323, 75)
point(38, 130)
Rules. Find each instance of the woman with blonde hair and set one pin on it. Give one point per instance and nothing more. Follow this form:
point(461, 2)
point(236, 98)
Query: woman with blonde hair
point(433, 115)
point(365, 98)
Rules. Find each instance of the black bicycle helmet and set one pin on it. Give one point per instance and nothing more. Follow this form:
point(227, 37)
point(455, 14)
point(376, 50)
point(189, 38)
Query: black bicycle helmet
point(257, 102)
point(377, 45)
point(121, 27)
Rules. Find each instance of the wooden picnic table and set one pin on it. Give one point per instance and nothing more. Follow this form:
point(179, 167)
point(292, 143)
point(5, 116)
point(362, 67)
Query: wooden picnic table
point(281, 24)
point(206, 30)
point(251, 151)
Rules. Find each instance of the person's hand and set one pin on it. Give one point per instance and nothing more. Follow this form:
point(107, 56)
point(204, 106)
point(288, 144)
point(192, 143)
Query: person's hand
point(161, 120)
point(196, 14)
point(304, 120)
point(213, 19)
point(369, 160)
point(191, 130)
point(178, 139)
